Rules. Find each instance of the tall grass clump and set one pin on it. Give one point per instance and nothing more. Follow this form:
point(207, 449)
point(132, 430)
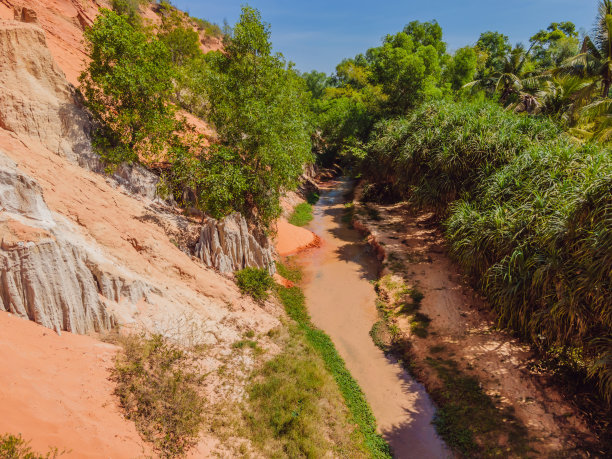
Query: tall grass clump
point(158, 385)
point(442, 150)
point(360, 412)
point(528, 215)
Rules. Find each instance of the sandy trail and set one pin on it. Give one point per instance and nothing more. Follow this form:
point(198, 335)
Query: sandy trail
point(341, 301)
point(462, 324)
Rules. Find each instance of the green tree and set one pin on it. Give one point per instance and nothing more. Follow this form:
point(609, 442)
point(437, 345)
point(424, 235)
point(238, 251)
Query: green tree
point(555, 44)
point(127, 86)
point(259, 107)
point(461, 68)
point(495, 47)
point(595, 59)
point(407, 68)
point(316, 82)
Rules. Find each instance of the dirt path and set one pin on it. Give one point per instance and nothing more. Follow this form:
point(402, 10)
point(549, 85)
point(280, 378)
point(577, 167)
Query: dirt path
point(341, 301)
point(461, 329)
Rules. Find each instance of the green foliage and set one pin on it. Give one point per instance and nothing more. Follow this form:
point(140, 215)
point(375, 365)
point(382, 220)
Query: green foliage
point(302, 214)
point(461, 69)
point(529, 217)
point(494, 47)
point(289, 271)
point(15, 447)
point(551, 47)
point(208, 27)
point(408, 67)
point(254, 282)
point(128, 8)
point(284, 401)
point(316, 82)
point(182, 43)
point(158, 385)
point(441, 150)
point(127, 86)
point(259, 108)
point(361, 414)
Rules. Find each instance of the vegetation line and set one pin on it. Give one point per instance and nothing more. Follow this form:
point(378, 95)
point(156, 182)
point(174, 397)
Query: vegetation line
point(294, 302)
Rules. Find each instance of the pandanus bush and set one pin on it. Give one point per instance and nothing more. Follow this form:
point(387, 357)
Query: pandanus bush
point(528, 214)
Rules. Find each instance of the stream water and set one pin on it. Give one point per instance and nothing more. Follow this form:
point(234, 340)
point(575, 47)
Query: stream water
point(341, 301)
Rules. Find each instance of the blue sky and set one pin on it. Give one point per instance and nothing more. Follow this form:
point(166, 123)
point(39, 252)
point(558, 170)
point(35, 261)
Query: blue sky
point(318, 34)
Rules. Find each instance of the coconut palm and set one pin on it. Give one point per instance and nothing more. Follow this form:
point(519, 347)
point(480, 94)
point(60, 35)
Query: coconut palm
point(511, 80)
point(594, 63)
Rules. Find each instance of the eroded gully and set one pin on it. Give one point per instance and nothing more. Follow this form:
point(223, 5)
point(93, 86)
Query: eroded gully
point(342, 302)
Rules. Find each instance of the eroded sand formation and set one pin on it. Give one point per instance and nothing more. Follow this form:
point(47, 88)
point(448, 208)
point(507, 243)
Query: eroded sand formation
point(83, 252)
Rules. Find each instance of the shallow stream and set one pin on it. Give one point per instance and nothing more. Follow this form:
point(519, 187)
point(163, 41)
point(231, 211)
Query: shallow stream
point(341, 300)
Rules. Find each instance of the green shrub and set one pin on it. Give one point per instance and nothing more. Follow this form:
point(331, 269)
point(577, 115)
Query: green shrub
point(158, 385)
point(302, 214)
point(15, 447)
point(128, 8)
point(529, 217)
point(127, 86)
point(254, 282)
point(443, 150)
point(289, 271)
point(285, 410)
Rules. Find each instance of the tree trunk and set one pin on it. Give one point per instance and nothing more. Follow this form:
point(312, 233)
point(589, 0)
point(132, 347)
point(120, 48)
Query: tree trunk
point(606, 89)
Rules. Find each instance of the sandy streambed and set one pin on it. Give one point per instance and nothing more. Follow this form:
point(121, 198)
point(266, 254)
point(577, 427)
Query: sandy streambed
point(341, 301)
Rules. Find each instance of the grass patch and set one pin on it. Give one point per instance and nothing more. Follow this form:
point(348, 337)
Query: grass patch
point(15, 447)
point(245, 343)
point(302, 214)
point(289, 271)
point(312, 198)
point(158, 387)
point(381, 335)
point(469, 421)
point(295, 408)
point(419, 325)
point(361, 414)
point(254, 282)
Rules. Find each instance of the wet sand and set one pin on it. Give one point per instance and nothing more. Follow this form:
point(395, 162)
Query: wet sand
point(341, 301)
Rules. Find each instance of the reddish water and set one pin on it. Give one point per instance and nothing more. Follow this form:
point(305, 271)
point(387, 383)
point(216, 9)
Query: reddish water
point(341, 301)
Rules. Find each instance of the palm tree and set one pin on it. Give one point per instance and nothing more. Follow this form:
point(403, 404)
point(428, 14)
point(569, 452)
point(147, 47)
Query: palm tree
point(594, 63)
point(510, 80)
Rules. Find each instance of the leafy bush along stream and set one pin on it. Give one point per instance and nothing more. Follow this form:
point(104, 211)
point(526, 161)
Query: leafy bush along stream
point(528, 215)
point(360, 413)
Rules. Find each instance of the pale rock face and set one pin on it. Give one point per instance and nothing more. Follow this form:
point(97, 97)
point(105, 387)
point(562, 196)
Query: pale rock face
point(228, 246)
point(21, 195)
point(35, 98)
point(47, 277)
point(37, 102)
point(51, 270)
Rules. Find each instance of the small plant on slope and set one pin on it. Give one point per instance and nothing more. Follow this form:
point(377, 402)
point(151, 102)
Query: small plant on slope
point(254, 282)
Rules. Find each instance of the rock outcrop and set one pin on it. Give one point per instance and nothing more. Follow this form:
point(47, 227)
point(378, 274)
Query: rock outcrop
point(51, 271)
point(228, 246)
point(46, 277)
point(35, 99)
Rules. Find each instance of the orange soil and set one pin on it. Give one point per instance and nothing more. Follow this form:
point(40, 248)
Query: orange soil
point(414, 251)
point(58, 394)
point(290, 239)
